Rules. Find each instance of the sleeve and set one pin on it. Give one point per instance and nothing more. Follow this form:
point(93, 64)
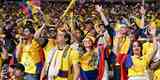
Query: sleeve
point(143, 49)
point(138, 21)
point(147, 52)
point(115, 45)
point(111, 31)
point(146, 60)
point(74, 57)
point(35, 43)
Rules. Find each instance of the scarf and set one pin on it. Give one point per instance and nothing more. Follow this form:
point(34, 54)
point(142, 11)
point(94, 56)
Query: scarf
point(55, 65)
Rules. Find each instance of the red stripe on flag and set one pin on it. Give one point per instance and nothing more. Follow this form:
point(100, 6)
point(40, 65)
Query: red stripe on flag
point(101, 64)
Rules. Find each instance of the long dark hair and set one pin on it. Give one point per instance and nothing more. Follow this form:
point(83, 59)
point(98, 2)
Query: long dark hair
point(139, 44)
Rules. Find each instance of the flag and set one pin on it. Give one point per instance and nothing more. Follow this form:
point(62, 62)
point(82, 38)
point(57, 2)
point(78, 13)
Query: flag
point(29, 7)
point(25, 8)
point(103, 68)
point(35, 5)
point(42, 60)
point(128, 61)
point(13, 59)
point(101, 64)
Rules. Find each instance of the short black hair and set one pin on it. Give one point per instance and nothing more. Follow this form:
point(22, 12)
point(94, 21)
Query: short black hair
point(18, 66)
point(67, 38)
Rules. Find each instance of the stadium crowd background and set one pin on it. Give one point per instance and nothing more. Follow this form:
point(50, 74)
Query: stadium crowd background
point(102, 22)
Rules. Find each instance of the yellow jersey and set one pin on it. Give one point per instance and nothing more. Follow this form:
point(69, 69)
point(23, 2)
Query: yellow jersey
point(124, 45)
point(157, 21)
point(156, 74)
point(30, 56)
point(51, 44)
point(139, 66)
point(88, 61)
point(72, 57)
point(147, 50)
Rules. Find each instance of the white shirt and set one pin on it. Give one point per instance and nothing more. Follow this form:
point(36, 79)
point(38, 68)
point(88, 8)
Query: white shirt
point(157, 54)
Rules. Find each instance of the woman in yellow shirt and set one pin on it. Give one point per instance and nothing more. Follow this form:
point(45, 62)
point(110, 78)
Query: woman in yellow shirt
point(138, 71)
point(88, 60)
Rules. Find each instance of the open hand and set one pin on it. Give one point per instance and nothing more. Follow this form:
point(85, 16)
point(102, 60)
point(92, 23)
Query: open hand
point(142, 10)
point(98, 8)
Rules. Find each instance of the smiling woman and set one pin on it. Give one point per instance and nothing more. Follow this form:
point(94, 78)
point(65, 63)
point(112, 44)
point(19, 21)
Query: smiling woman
point(138, 71)
point(88, 60)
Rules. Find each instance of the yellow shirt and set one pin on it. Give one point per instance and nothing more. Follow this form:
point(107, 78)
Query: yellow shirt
point(124, 45)
point(139, 66)
point(117, 27)
point(71, 58)
point(51, 44)
point(138, 22)
point(156, 75)
point(157, 21)
point(30, 56)
point(147, 49)
point(87, 61)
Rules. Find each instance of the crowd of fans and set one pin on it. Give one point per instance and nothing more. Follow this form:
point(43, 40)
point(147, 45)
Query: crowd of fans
point(80, 41)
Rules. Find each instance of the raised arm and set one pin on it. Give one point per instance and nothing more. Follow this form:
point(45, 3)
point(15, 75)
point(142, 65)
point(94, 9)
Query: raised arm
point(19, 48)
point(37, 37)
point(43, 75)
point(38, 33)
point(99, 9)
point(74, 58)
point(142, 11)
point(155, 46)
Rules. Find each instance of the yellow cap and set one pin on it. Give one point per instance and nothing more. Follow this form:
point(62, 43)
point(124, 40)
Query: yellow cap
point(119, 26)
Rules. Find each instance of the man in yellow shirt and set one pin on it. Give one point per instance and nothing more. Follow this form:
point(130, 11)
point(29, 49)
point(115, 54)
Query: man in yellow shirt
point(28, 52)
point(63, 61)
point(51, 40)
